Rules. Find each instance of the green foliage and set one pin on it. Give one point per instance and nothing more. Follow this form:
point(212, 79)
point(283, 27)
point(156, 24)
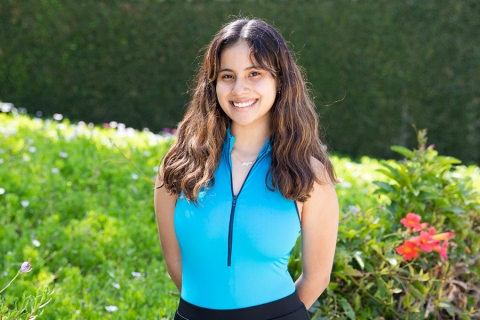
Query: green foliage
point(77, 203)
point(371, 281)
point(395, 62)
point(425, 183)
point(28, 307)
point(75, 190)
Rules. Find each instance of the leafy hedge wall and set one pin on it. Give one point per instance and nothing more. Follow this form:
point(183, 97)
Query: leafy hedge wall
point(396, 63)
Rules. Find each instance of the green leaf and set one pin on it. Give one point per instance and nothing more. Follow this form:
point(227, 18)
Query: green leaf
point(448, 160)
point(385, 187)
point(318, 315)
point(447, 306)
point(419, 286)
point(347, 308)
point(403, 151)
point(357, 256)
point(453, 209)
point(417, 294)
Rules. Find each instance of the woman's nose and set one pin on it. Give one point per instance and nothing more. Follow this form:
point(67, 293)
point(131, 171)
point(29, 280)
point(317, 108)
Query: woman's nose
point(240, 87)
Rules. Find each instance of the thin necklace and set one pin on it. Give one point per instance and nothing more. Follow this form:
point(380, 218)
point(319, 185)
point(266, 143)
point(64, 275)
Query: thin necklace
point(244, 163)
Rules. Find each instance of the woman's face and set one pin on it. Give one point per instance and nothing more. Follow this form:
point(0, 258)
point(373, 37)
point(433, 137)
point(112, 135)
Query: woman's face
point(245, 91)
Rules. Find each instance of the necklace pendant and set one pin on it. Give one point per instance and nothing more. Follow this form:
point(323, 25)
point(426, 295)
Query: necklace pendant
point(247, 163)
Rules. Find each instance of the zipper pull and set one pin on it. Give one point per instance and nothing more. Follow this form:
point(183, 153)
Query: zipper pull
point(234, 200)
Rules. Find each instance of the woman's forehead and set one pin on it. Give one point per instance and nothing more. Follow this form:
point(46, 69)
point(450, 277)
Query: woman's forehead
point(242, 53)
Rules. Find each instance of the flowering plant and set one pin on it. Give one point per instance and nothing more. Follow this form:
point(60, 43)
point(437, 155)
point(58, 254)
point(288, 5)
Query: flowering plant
point(426, 241)
point(28, 306)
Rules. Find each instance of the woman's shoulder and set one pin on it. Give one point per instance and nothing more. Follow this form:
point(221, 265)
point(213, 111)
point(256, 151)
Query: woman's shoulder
point(321, 172)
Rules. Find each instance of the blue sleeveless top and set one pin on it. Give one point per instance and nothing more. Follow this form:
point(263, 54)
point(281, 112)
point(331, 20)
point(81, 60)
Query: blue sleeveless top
point(235, 248)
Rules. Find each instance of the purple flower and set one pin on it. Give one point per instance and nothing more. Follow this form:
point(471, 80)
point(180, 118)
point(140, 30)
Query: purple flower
point(26, 267)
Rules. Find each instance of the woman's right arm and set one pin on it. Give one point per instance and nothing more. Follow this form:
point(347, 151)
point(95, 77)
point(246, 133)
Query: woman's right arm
point(164, 206)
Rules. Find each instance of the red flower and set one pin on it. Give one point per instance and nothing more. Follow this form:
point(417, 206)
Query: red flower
point(408, 250)
point(442, 250)
point(425, 241)
point(412, 221)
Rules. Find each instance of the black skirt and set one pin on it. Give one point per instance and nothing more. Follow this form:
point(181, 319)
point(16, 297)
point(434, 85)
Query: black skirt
point(288, 308)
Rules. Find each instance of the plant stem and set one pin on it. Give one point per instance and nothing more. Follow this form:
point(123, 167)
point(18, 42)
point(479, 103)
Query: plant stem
point(374, 298)
point(8, 285)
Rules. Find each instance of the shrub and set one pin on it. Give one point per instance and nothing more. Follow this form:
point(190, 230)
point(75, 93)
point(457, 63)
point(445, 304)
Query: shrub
point(371, 281)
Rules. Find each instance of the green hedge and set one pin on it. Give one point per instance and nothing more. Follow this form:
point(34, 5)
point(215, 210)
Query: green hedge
point(397, 63)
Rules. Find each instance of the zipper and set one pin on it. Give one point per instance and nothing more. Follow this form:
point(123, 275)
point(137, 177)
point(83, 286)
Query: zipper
point(234, 203)
point(230, 230)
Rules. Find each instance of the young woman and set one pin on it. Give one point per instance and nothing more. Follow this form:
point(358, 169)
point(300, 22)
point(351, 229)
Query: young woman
point(247, 174)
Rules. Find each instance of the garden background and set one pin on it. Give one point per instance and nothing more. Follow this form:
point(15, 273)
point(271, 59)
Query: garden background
point(76, 198)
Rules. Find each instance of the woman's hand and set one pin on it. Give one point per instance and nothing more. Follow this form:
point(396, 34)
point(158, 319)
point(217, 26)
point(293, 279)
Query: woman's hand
point(319, 217)
point(164, 207)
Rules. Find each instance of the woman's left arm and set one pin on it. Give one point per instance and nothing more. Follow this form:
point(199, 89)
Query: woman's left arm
point(319, 216)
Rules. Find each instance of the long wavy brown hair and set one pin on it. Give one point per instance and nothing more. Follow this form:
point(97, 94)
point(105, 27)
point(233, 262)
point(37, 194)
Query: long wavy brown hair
point(190, 164)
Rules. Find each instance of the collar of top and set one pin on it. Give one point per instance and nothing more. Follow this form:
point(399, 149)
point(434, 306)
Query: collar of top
point(231, 141)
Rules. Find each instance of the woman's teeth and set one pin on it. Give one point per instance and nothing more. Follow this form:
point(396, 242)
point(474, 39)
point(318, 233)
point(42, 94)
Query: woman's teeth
point(244, 104)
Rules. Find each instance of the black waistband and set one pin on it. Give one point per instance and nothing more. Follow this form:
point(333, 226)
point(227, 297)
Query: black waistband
point(270, 310)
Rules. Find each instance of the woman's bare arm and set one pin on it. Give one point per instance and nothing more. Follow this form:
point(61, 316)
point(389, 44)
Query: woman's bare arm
point(319, 215)
point(164, 207)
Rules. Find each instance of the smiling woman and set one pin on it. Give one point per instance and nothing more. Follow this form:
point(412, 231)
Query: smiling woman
point(247, 174)
point(245, 91)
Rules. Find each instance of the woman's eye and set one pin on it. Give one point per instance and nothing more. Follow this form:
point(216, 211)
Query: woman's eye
point(227, 76)
point(254, 73)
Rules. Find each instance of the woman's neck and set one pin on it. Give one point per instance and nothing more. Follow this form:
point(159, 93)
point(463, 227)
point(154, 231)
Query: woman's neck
point(249, 140)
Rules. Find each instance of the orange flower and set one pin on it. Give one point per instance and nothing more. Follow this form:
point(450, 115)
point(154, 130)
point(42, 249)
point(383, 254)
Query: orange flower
point(443, 236)
point(408, 250)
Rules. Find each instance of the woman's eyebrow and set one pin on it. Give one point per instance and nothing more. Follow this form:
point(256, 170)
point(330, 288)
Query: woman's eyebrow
point(247, 68)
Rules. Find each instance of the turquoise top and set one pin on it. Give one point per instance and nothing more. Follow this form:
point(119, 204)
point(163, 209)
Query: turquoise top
point(235, 248)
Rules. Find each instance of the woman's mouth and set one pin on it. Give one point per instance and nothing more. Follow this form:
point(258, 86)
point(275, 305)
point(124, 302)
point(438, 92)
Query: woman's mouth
point(244, 104)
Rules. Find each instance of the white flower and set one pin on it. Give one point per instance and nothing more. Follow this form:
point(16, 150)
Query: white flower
point(54, 170)
point(1, 160)
point(25, 203)
point(111, 308)
point(32, 149)
point(134, 176)
point(63, 154)
point(26, 158)
point(146, 154)
point(6, 107)
point(116, 285)
point(2, 191)
point(155, 169)
point(136, 274)
point(36, 243)
point(57, 116)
